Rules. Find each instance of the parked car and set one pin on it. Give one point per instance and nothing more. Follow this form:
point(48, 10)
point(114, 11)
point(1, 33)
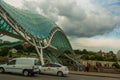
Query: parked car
point(54, 68)
point(25, 66)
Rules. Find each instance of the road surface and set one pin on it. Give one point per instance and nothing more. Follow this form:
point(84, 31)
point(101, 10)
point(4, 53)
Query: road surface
point(7, 76)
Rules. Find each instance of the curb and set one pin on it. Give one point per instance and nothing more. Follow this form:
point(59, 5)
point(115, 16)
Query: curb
point(96, 74)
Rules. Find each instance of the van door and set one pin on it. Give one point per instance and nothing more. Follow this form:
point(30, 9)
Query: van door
point(10, 67)
point(54, 69)
point(45, 68)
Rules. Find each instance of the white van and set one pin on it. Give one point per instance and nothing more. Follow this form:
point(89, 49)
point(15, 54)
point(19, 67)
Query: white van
point(25, 66)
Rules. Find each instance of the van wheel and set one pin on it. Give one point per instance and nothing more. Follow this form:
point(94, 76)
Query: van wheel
point(25, 73)
point(2, 70)
point(60, 73)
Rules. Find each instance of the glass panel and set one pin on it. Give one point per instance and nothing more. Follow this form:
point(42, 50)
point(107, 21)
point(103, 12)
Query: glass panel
point(33, 23)
point(60, 42)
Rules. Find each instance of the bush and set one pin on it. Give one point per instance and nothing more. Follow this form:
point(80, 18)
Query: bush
point(98, 63)
point(116, 65)
point(3, 59)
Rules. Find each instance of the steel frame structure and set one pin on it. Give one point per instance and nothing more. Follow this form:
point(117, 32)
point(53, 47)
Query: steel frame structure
point(18, 32)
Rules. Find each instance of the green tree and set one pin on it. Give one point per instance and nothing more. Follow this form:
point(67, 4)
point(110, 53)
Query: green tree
point(85, 51)
point(78, 52)
point(116, 65)
point(85, 57)
point(111, 52)
point(19, 47)
point(92, 57)
point(98, 63)
point(4, 51)
point(67, 52)
point(30, 49)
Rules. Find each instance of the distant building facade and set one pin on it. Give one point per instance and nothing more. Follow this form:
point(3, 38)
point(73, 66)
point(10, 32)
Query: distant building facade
point(118, 55)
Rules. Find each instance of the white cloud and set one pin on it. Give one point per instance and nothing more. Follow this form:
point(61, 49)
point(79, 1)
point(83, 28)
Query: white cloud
point(101, 42)
point(96, 44)
point(16, 3)
point(74, 16)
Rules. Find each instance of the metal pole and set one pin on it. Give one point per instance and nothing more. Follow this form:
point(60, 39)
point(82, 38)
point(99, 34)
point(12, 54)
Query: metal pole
point(40, 52)
point(41, 56)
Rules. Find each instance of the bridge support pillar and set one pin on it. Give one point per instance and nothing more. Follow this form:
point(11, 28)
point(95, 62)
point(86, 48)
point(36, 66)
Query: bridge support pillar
point(41, 56)
point(39, 52)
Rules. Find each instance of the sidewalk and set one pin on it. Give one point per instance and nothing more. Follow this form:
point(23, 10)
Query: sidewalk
point(96, 74)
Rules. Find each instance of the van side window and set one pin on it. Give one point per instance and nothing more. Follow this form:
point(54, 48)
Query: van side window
point(11, 62)
point(55, 65)
point(46, 65)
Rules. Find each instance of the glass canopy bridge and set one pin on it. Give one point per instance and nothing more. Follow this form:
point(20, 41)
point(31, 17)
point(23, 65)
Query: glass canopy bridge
point(35, 29)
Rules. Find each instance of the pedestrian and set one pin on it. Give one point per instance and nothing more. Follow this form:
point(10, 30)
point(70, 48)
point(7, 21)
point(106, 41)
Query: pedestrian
point(85, 67)
point(78, 66)
point(74, 66)
point(88, 67)
point(98, 67)
point(95, 68)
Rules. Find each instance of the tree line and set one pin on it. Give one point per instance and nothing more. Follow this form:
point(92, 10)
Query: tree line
point(90, 55)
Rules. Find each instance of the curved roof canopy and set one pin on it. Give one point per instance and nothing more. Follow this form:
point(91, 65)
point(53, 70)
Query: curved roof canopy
point(36, 25)
point(33, 23)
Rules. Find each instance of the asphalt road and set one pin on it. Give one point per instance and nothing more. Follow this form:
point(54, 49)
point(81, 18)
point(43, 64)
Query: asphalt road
point(51, 77)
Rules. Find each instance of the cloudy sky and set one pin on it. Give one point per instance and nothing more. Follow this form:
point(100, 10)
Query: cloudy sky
point(89, 24)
